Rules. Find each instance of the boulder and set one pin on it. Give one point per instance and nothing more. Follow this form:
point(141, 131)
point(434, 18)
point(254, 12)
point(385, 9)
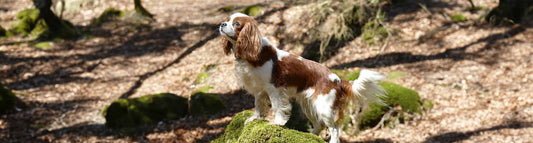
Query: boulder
point(144, 110)
point(261, 131)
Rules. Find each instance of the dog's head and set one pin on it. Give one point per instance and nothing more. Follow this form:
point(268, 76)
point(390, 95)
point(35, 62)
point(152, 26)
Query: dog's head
point(242, 36)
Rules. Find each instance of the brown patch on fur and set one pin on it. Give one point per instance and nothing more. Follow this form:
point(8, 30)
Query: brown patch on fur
point(248, 44)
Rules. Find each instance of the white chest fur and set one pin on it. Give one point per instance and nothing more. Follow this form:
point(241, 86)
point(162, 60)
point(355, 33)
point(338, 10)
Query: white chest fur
point(253, 79)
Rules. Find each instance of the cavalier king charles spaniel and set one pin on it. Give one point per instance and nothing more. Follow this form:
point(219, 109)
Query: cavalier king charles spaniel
point(275, 77)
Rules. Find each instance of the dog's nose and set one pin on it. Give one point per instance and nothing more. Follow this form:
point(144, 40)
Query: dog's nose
point(223, 24)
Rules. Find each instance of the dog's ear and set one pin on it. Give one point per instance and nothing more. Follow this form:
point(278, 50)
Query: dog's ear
point(248, 45)
point(227, 45)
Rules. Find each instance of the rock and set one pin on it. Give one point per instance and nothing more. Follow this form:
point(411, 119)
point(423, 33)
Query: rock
point(261, 131)
point(144, 110)
point(203, 104)
point(30, 22)
point(3, 32)
point(26, 21)
point(398, 96)
point(8, 100)
point(252, 10)
point(107, 15)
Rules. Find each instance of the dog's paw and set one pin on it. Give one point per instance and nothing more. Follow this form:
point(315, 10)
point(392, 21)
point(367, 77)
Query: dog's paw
point(250, 119)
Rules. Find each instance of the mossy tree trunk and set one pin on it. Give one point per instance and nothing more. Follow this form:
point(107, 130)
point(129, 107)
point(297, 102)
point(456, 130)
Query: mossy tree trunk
point(139, 9)
point(56, 26)
point(514, 10)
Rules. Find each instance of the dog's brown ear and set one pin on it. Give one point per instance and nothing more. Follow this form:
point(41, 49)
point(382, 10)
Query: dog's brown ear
point(227, 45)
point(248, 44)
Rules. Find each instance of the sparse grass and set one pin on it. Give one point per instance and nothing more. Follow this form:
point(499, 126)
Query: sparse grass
point(252, 10)
point(458, 17)
point(42, 45)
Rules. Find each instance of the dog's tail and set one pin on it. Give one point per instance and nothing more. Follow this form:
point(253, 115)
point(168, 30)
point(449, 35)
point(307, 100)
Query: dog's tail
point(365, 88)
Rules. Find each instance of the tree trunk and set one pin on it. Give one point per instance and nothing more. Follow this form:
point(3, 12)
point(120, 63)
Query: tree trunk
point(139, 9)
point(56, 26)
point(514, 10)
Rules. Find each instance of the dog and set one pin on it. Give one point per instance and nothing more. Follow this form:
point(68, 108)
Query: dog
point(275, 77)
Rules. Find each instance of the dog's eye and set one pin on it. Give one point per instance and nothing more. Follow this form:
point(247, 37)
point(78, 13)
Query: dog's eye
point(236, 24)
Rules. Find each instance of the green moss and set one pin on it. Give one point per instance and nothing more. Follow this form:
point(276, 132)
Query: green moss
point(298, 120)
point(458, 17)
point(395, 75)
point(203, 104)
point(3, 31)
point(40, 30)
point(261, 131)
point(252, 10)
point(373, 33)
point(7, 99)
point(227, 8)
point(204, 88)
point(347, 75)
point(427, 104)
point(201, 77)
point(145, 110)
point(42, 45)
point(107, 15)
point(26, 20)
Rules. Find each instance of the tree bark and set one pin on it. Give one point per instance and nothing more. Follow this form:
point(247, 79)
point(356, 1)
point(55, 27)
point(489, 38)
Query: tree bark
point(139, 9)
point(56, 26)
point(514, 10)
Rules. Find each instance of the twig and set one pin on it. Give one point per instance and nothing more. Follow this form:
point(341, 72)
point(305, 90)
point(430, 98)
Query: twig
point(388, 36)
point(380, 125)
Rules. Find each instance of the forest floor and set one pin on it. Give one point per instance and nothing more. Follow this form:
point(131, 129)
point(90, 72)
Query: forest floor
point(479, 77)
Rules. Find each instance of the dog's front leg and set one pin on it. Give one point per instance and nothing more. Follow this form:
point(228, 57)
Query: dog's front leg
point(262, 107)
point(281, 106)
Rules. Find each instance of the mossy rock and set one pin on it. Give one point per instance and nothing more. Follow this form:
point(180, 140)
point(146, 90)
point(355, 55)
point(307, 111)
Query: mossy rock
point(107, 15)
point(227, 8)
point(26, 21)
point(8, 100)
point(203, 104)
point(29, 23)
point(458, 17)
point(397, 95)
point(260, 131)
point(252, 10)
point(42, 45)
point(3, 31)
point(298, 120)
point(145, 110)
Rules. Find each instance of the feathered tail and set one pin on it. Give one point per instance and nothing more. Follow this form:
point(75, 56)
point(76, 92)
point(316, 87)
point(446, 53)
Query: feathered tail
point(365, 88)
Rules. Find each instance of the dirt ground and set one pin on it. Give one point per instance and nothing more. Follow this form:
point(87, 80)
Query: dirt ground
point(479, 77)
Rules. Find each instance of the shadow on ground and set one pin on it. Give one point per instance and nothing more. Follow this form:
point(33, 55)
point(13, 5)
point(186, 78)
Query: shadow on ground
point(460, 136)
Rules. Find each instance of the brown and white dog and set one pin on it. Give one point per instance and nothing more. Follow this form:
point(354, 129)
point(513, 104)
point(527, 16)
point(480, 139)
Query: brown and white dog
point(274, 77)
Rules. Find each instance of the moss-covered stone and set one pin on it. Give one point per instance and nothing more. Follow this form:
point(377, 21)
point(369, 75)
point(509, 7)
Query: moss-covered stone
point(203, 104)
point(107, 15)
point(7, 99)
point(42, 45)
point(252, 10)
point(261, 131)
point(397, 96)
point(458, 17)
point(40, 30)
point(26, 21)
point(31, 23)
point(144, 110)
point(298, 120)
point(227, 8)
point(3, 31)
